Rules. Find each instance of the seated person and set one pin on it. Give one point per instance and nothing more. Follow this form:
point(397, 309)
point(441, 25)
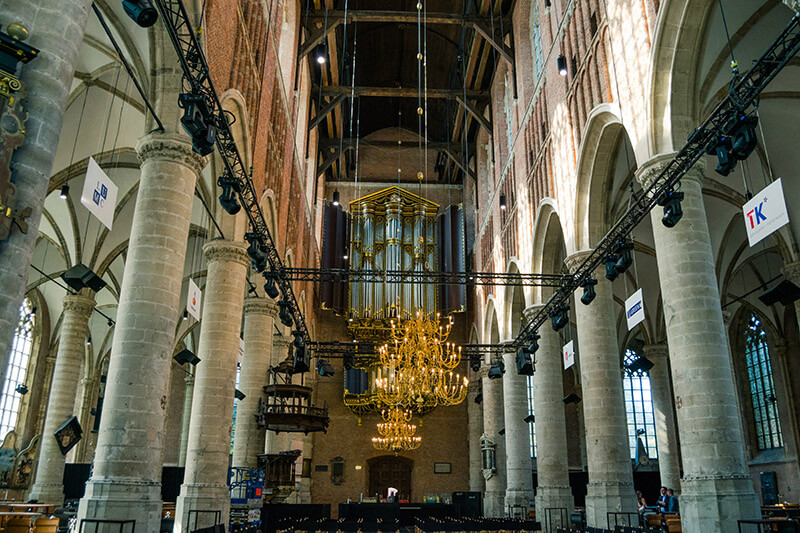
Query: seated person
point(641, 500)
point(672, 502)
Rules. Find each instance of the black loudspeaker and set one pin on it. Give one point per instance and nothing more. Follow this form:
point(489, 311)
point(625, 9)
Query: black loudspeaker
point(186, 356)
point(769, 488)
point(784, 292)
point(571, 398)
point(68, 435)
point(469, 504)
point(81, 276)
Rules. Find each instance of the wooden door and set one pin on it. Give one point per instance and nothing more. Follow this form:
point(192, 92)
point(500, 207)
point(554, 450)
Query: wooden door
point(390, 471)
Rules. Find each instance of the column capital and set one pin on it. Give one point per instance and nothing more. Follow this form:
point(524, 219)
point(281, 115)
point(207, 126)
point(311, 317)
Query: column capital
point(531, 312)
point(656, 351)
point(482, 373)
point(257, 305)
point(791, 271)
point(647, 173)
point(170, 147)
point(575, 260)
point(225, 250)
point(81, 305)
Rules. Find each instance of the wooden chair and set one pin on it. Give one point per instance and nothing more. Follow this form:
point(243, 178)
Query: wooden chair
point(674, 525)
point(18, 524)
point(653, 520)
point(44, 524)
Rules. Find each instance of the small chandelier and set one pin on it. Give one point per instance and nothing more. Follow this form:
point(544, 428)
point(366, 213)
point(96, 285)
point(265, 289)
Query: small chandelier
point(397, 433)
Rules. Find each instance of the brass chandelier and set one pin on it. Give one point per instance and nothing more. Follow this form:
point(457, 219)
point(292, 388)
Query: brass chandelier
point(397, 433)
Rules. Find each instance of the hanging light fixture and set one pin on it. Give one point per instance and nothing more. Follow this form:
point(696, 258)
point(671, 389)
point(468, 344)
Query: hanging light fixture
point(322, 52)
point(671, 202)
point(561, 61)
point(141, 12)
point(270, 287)
point(503, 202)
point(559, 317)
point(589, 292)
point(336, 197)
point(64, 192)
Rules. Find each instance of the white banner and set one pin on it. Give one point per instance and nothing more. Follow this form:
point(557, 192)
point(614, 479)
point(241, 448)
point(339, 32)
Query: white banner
point(765, 213)
point(634, 309)
point(193, 299)
point(99, 194)
point(568, 352)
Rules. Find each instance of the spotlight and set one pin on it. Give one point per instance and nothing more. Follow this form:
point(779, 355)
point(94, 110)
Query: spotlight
point(671, 202)
point(89, 340)
point(640, 364)
point(239, 395)
point(285, 313)
point(497, 370)
point(744, 136)
point(475, 364)
point(562, 65)
point(324, 368)
point(559, 317)
point(618, 261)
point(258, 256)
point(64, 192)
point(524, 362)
point(185, 314)
point(336, 197)
point(589, 292)
point(300, 362)
point(22, 389)
point(322, 52)
point(228, 199)
point(534, 345)
point(186, 356)
point(530, 419)
point(611, 267)
point(721, 147)
point(503, 202)
point(270, 287)
point(197, 120)
point(141, 12)
point(571, 398)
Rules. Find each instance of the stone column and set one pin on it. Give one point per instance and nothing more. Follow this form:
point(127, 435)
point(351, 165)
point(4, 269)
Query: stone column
point(552, 465)
point(278, 442)
point(259, 319)
point(519, 474)
point(48, 485)
point(86, 394)
point(493, 422)
point(205, 481)
point(791, 271)
point(186, 418)
point(716, 488)
point(475, 429)
point(56, 29)
point(669, 461)
point(608, 455)
point(126, 474)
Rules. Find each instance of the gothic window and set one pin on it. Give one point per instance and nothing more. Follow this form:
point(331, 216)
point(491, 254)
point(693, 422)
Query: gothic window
point(762, 389)
point(532, 425)
point(536, 42)
point(639, 408)
point(17, 369)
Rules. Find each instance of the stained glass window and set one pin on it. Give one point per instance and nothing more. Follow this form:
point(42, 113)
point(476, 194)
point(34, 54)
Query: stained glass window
point(762, 389)
point(639, 408)
point(17, 369)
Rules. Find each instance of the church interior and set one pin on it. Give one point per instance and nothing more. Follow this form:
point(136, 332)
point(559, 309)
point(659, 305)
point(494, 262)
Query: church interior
point(399, 266)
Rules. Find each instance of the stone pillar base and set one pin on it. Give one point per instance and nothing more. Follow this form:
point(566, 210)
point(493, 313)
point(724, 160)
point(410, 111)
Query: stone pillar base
point(517, 503)
point(206, 499)
point(493, 503)
point(604, 498)
point(121, 500)
point(304, 494)
point(553, 497)
point(47, 492)
point(713, 505)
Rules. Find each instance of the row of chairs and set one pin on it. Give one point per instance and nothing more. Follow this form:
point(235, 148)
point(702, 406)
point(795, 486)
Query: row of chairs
point(617, 529)
point(428, 525)
point(25, 524)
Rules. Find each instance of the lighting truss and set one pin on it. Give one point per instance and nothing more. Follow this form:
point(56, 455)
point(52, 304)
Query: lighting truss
point(432, 278)
point(743, 93)
point(336, 349)
point(197, 76)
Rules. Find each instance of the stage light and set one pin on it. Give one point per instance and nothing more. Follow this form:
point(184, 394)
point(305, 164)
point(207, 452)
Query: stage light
point(624, 256)
point(589, 292)
point(524, 362)
point(298, 341)
point(721, 147)
point(185, 314)
point(64, 192)
point(744, 136)
point(336, 197)
point(671, 202)
point(89, 340)
point(497, 370)
point(562, 65)
point(324, 368)
point(475, 364)
point(258, 256)
point(322, 52)
point(22, 389)
point(186, 356)
point(270, 287)
point(141, 12)
point(228, 199)
point(503, 202)
point(611, 267)
point(198, 122)
point(285, 313)
point(300, 363)
point(559, 317)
